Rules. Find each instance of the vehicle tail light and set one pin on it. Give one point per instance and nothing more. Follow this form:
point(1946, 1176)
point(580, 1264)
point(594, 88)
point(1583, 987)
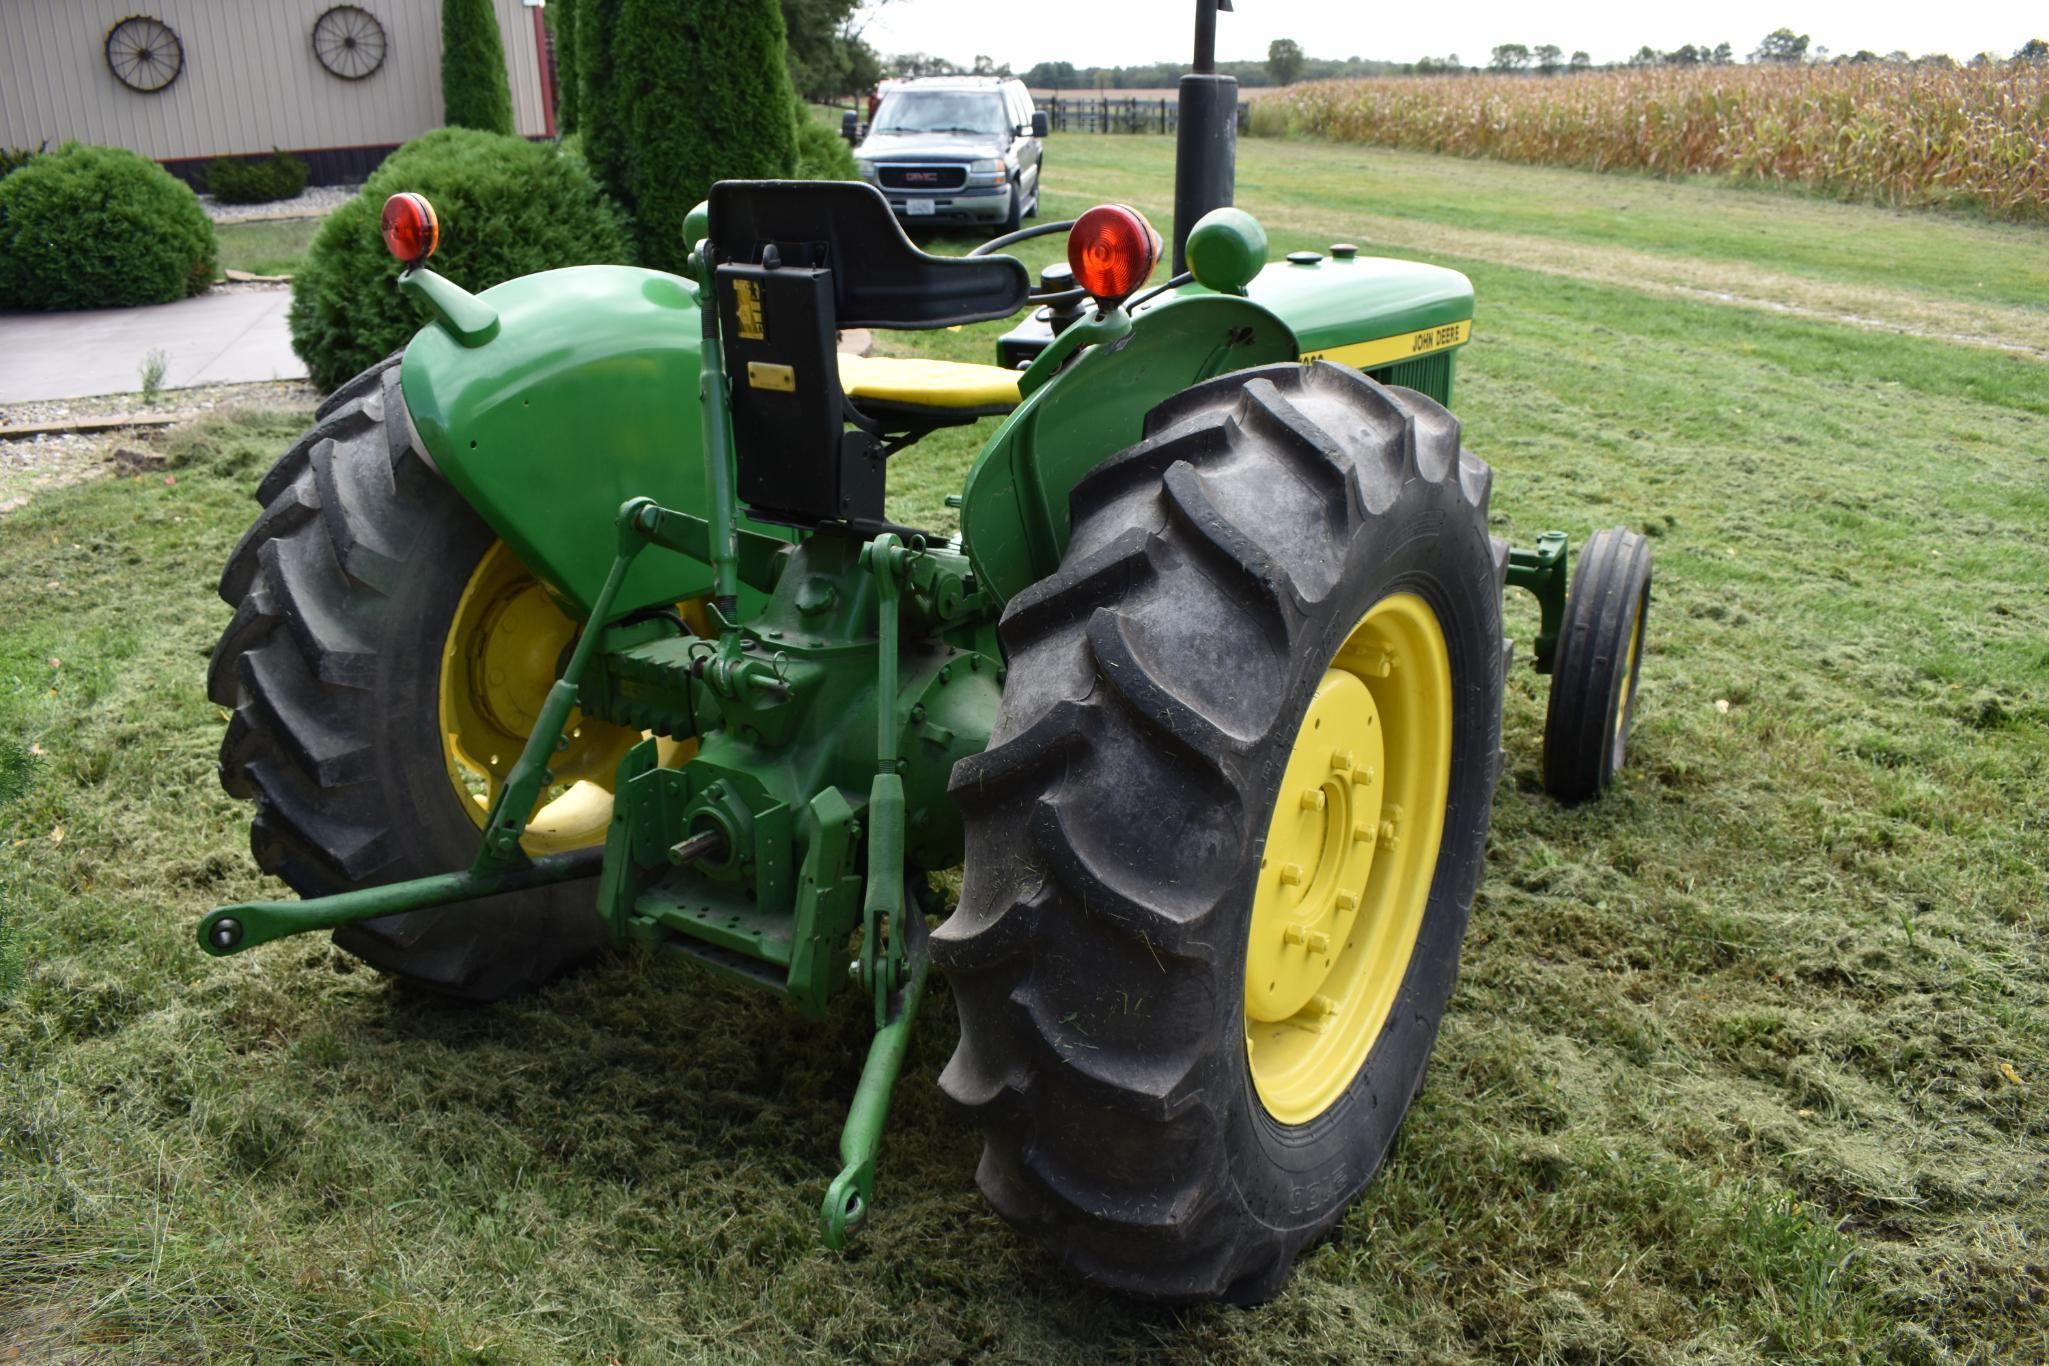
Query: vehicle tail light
point(1112, 250)
point(411, 231)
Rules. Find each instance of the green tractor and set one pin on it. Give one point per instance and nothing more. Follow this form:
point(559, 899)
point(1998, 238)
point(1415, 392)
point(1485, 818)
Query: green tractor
point(582, 623)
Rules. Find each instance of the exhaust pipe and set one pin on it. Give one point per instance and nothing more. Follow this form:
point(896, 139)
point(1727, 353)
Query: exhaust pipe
point(1206, 142)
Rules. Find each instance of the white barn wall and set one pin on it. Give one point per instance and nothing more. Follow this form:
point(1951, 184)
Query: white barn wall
point(250, 80)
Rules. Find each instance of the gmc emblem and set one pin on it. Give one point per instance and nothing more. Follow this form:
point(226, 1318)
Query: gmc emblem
point(921, 177)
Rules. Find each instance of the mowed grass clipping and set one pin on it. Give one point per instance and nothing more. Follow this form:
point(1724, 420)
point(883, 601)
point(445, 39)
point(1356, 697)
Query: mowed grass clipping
point(1748, 1060)
point(1887, 132)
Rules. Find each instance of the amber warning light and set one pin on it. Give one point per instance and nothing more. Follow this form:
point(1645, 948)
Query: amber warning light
point(1112, 249)
point(411, 231)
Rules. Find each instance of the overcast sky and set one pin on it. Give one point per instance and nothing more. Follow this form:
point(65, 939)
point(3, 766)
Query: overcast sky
point(1124, 32)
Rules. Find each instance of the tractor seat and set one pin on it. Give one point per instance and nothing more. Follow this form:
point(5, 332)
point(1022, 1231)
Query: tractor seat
point(937, 393)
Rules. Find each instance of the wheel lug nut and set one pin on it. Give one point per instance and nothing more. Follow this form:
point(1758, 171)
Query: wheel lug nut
point(1341, 761)
point(1291, 874)
point(1312, 799)
point(1292, 935)
point(1318, 941)
point(1362, 833)
point(1387, 834)
point(1345, 901)
point(1319, 1006)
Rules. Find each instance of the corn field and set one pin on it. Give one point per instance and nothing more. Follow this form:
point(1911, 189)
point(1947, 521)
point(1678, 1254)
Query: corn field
point(1891, 134)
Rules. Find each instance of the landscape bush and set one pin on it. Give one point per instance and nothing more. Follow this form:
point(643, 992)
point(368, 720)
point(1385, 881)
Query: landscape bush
point(277, 176)
point(13, 159)
point(474, 92)
point(507, 207)
point(1887, 132)
point(822, 154)
point(699, 94)
point(100, 227)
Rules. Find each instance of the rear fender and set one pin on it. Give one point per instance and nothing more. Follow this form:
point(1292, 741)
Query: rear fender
point(1014, 510)
point(586, 396)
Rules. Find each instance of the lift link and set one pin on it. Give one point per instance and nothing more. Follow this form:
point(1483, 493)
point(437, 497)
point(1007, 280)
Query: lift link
point(893, 961)
point(501, 864)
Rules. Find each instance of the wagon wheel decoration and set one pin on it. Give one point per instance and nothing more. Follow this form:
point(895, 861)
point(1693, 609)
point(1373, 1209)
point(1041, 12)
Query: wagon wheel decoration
point(349, 41)
point(144, 54)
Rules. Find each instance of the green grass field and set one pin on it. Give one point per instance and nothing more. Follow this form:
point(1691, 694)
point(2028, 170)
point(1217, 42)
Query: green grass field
point(267, 248)
point(1747, 1061)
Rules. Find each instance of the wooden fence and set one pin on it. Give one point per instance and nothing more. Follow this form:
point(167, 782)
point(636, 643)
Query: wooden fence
point(1106, 114)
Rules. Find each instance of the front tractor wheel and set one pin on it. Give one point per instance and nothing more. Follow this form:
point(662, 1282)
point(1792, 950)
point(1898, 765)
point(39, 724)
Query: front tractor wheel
point(385, 664)
point(1593, 678)
point(1226, 835)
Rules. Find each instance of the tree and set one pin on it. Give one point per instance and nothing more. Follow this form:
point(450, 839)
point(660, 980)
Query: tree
point(1782, 45)
point(2033, 50)
point(828, 56)
point(474, 91)
point(1509, 57)
point(607, 141)
point(1051, 76)
point(1722, 55)
point(1547, 55)
point(985, 65)
point(1581, 61)
point(700, 93)
point(1647, 56)
point(568, 81)
point(1686, 55)
point(1284, 60)
point(918, 64)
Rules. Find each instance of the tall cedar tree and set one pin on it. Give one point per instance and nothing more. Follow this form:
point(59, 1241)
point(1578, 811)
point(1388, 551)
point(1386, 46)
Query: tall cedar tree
point(474, 93)
point(706, 96)
point(607, 141)
point(568, 81)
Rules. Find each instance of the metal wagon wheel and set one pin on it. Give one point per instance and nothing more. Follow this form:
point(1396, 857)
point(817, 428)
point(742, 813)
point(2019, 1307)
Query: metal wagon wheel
point(144, 54)
point(349, 41)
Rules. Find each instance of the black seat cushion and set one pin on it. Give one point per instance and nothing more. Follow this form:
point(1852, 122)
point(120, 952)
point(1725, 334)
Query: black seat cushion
point(880, 278)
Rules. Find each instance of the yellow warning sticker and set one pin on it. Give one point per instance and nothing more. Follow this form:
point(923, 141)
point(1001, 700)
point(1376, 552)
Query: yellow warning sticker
point(747, 310)
point(1371, 355)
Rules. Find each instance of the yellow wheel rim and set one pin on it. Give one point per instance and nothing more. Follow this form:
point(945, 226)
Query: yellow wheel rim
point(1628, 692)
point(505, 648)
point(1350, 851)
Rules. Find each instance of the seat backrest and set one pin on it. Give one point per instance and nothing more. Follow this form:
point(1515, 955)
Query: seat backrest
point(879, 276)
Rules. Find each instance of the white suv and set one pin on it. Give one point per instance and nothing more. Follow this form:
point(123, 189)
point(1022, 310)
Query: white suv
point(956, 149)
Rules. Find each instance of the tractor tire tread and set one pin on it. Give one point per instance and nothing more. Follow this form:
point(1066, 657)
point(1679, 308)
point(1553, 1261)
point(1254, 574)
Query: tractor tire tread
point(351, 513)
point(1107, 1146)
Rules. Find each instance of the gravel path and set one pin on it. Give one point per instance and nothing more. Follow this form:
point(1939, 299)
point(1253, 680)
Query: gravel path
point(312, 203)
point(32, 465)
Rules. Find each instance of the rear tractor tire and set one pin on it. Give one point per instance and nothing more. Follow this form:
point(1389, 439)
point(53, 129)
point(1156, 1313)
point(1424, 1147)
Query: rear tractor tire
point(1594, 674)
point(1225, 838)
point(382, 668)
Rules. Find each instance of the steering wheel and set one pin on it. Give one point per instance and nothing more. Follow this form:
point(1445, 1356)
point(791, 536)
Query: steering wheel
point(1037, 297)
point(1066, 296)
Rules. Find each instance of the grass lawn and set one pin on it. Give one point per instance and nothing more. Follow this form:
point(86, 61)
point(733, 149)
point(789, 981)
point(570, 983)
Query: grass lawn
point(1748, 1060)
point(268, 248)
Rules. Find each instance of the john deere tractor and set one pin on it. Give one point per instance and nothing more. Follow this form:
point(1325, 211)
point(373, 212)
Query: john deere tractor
point(583, 623)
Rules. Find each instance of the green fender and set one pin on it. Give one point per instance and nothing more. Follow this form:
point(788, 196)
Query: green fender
point(583, 396)
point(1014, 511)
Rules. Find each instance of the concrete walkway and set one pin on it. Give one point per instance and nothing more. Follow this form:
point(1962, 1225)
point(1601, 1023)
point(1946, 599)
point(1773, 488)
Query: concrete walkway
point(220, 337)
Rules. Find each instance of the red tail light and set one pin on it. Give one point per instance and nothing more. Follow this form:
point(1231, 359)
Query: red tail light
point(411, 231)
point(1112, 250)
